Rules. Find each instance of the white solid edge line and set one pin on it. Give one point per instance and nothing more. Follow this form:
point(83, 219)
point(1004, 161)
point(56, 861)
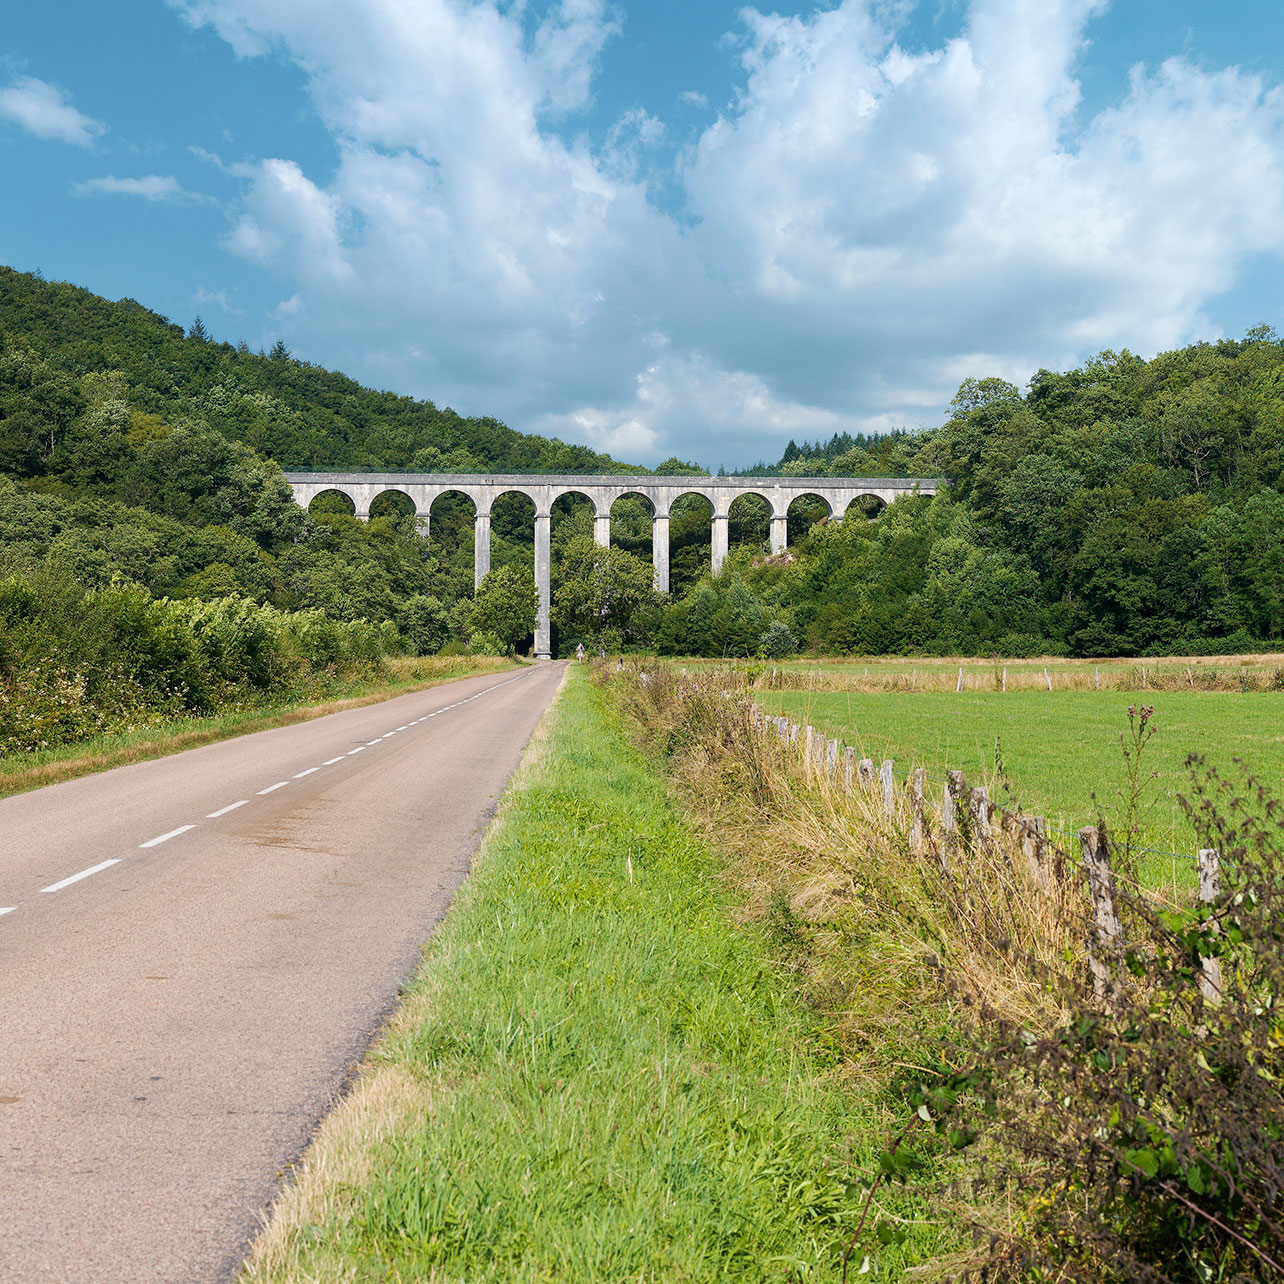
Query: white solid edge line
point(75, 878)
point(164, 838)
point(222, 811)
point(298, 775)
point(329, 762)
point(280, 784)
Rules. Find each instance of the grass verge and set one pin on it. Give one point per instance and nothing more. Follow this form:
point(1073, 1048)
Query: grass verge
point(24, 771)
point(595, 1076)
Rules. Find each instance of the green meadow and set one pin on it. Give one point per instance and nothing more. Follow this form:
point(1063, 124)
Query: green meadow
point(1058, 752)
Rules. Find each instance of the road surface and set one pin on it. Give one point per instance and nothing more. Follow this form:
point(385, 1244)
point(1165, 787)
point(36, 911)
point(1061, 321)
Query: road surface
point(195, 951)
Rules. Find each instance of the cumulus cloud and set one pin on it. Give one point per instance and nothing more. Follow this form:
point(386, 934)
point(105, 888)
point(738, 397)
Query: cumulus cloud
point(863, 227)
point(151, 187)
point(46, 111)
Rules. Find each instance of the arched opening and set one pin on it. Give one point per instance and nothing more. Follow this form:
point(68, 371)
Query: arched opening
point(631, 517)
point(805, 512)
point(452, 517)
point(749, 522)
point(690, 541)
point(392, 503)
point(573, 513)
point(512, 530)
point(572, 520)
point(332, 503)
point(868, 507)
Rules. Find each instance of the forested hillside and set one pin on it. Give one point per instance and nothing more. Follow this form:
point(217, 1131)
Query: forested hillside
point(1122, 507)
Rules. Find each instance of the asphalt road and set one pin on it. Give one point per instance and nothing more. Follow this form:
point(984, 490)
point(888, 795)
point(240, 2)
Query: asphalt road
point(195, 951)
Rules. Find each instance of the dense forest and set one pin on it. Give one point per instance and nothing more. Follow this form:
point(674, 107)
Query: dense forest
point(1123, 507)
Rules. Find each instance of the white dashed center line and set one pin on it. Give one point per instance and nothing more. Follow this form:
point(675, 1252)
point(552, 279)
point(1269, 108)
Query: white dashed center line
point(7, 909)
point(298, 775)
point(164, 838)
point(75, 878)
point(222, 811)
point(280, 784)
point(358, 749)
point(329, 762)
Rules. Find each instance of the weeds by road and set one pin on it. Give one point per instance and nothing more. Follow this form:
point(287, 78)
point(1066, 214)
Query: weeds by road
point(402, 674)
point(597, 1076)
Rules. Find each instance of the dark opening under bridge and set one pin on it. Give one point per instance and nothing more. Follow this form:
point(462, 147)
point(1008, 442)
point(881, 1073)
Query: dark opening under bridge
point(837, 493)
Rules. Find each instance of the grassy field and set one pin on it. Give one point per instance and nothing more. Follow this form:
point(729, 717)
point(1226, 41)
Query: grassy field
point(596, 1076)
point(20, 772)
point(1058, 753)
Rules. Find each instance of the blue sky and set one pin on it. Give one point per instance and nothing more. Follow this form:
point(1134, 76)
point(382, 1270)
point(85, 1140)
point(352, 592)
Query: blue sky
point(663, 228)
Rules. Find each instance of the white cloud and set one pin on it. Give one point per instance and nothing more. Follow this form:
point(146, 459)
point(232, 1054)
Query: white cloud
point(151, 187)
point(46, 111)
point(862, 228)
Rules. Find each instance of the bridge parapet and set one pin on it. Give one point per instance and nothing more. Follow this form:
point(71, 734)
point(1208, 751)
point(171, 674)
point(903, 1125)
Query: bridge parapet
point(543, 490)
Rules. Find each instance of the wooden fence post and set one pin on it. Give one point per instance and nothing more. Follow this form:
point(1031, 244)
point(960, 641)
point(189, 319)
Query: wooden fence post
point(1047, 679)
point(849, 768)
point(885, 778)
point(1106, 941)
point(980, 805)
point(865, 773)
point(1032, 845)
point(950, 817)
point(918, 779)
point(1210, 882)
point(1097, 676)
point(794, 729)
point(831, 757)
point(818, 748)
point(1005, 677)
point(809, 737)
point(960, 684)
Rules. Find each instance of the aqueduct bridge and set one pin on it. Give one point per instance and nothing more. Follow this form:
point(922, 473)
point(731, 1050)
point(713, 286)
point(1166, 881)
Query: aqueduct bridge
point(837, 493)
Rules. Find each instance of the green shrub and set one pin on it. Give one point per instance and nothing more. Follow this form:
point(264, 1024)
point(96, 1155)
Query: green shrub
point(77, 662)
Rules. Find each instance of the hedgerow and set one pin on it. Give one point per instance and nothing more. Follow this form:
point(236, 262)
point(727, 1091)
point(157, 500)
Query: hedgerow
point(76, 662)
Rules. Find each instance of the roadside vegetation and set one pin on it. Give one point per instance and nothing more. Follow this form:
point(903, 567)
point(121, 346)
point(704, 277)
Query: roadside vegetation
point(396, 675)
point(1094, 1068)
point(597, 1074)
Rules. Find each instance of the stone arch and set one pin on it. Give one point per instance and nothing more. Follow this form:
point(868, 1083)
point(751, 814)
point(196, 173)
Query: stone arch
point(749, 517)
point(393, 502)
point(512, 525)
point(333, 501)
point(807, 508)
point(633, 526)
point(691, 518)
point(453, 525)
point(867, 504)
